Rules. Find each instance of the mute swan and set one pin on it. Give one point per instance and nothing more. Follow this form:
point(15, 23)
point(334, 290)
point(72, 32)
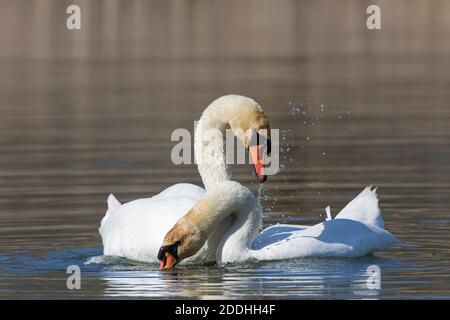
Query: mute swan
point(357, 230)
point(136, 229)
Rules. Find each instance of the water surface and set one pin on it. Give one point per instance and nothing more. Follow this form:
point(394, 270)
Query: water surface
point(87, 113)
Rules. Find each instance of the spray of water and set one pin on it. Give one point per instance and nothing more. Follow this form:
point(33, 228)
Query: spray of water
point(260, 196)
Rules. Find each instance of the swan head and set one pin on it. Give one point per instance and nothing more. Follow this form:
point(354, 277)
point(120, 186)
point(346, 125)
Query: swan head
point(181, 242)
point(251, 126)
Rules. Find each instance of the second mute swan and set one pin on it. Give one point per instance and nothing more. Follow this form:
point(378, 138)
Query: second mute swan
point(357, 230)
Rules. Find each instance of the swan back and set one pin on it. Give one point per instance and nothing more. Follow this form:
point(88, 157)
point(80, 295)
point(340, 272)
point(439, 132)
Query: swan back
point(136, 229)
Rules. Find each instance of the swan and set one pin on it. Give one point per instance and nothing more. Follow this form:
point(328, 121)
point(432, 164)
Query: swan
point(135, 230)
point(356, 231)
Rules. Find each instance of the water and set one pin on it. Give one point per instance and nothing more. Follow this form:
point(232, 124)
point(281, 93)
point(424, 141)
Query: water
point(88, 113)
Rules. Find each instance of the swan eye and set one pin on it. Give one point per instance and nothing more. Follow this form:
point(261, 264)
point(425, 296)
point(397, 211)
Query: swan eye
point(172, 249)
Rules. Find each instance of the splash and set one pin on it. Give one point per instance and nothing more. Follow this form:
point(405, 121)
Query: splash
point(260, 192)
point(261, 197)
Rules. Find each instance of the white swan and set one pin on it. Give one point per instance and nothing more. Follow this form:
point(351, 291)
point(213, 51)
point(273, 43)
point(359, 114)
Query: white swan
point(357, 230)
point(136, 229)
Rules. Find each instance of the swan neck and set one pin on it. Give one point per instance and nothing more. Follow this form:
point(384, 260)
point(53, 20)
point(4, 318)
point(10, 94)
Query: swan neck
point(236, 245)
point(222, 200)
point(209, 148)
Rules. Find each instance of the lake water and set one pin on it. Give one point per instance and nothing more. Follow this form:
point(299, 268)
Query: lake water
point(90, 112)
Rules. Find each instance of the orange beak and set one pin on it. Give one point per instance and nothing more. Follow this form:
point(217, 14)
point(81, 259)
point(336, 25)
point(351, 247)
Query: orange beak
point(257, 158)
point(168, 262)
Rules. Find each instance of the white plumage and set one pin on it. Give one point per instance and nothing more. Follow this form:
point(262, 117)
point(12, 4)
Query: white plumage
point(135, 230)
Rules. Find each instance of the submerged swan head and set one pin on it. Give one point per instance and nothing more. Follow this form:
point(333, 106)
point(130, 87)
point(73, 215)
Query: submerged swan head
point(181, 242)
point(248, 122)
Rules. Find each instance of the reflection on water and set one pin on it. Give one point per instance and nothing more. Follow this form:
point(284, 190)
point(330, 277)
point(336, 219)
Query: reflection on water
point(90, 112)
point(294, 279)
point(118, 277)
point(311, 278)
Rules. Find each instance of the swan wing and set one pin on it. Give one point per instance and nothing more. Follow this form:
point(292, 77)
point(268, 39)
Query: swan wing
point(274, 234)
point(334, 238)
point(136, 229)
point(356, 231)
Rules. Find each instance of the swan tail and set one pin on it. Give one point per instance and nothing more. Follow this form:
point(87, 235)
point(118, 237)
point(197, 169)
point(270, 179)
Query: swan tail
point(364, 208)
point(113, 204)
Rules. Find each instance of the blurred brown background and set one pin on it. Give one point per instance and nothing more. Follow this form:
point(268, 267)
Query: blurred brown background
point(84, 113)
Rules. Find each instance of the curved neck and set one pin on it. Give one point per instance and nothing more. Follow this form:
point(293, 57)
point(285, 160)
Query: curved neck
point(237, 242)
point(209, 143)
point(229, 200)
point(209, 150)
